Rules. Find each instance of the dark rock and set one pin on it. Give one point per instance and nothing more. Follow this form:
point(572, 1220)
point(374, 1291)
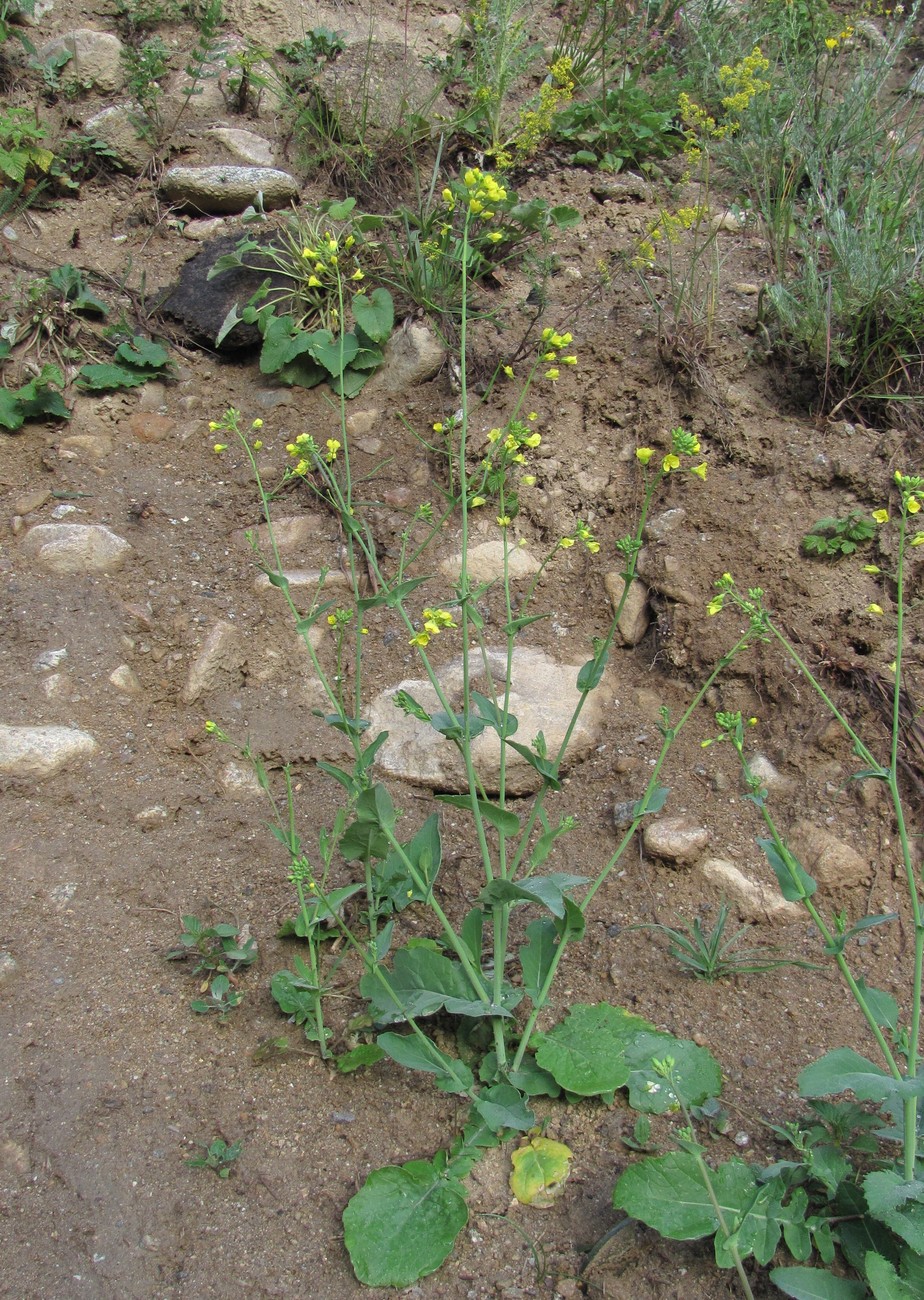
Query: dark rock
point(201, 304)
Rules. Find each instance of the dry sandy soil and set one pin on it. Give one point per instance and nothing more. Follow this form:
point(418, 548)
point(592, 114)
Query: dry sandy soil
point(108, 1079)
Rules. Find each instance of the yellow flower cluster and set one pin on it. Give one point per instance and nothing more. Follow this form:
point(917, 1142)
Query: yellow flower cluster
point(581, 534)
point(302, 448)
point(552, 343)
point(434, 622)
point(536, 123)
point(682, 444)
point(744, 83)
point(322, 260)
point(483, 193)
point(670, 226)
point(832, 42)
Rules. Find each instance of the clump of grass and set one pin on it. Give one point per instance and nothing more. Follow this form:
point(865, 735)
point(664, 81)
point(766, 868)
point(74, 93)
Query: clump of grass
point(712, 955)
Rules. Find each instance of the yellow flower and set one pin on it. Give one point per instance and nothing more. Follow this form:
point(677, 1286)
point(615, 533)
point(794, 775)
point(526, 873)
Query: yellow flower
point(508, 371)
point(258, 445)
point(529, 480)
point(357, 275)
point(533, 415)
point(918, 539)
point(495, 236)
point(566, 543)
point(213, 425)
point(477, 501)
point(332, 620)
point(421, 639)
point(219, 448)
point(874, 609)
point(699, 470)
point(644, 454)
point(333, 446)
point(504, 520)
point(308, 252)
point(593, 547)
point(830, 42)
point(670, 462)
point(715, 605)
point(874, 568)
point(439, 427)
point(881, 516)
point(569, 361)
point(314, 282)
point(914, 505)
point(552, 374)
point(257, 424)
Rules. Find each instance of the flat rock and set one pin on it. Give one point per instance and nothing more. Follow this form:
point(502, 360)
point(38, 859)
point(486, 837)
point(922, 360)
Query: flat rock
point(239, 780)
point(42, 751)
point(96, 58)
point(675, 840)
point(636, 612)
point(246, 145)
point(767, 774)
point(125, 679)
point(304, 579)
point(486, 562)
point(411, 356)
point(220, 660)
point(833, 863)
point(227, 189)
point(543, 696)
point(202, 304)
point(290, 531)
point(76, 548)
point(753, 901)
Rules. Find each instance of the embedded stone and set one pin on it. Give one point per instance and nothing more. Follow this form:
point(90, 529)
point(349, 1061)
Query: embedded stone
point(227, 189)
point(543, 694)
point(675, 840)
point(220, 660)
point(119, 129)
point(96, 58)
point(411, 356)
point(42, 751)
point(76, 548)
point(636, 612)
point(125, 680)
point(753, 901)
point(486, 562)
point(833, 863)
point(246, 145)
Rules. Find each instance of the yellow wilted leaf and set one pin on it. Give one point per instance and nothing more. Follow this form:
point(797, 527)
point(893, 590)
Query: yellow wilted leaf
point(540, 1170)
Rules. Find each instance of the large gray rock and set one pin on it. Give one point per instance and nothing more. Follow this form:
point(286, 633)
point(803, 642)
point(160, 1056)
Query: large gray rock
point(412, 355)
point(486, 562)
point(76, 548)
point(96, 58)
point(542, 698)
point(118, 127)
point(677, 841)
point(375, 87)
point(753, 901)
point(42, 751)
point(227, 189)
point(833, 863)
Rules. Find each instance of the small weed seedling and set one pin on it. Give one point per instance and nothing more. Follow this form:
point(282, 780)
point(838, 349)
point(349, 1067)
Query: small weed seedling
point(834, 537)
point(135, 363)
point(219, 997)
point(217, 949)
point(218, 1156)
point(715, 955)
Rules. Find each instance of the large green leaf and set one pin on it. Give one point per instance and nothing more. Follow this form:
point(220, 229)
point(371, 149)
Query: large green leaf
point(403, 1223)
point(669, 1194)
point(537, 955)
point(794, 881)
point(413, 1053)
point(502, 1107)
point(816, 1284)
point(885, 1282)
point(503, 820)
point(695, 1074)
point(586, 1052)
point(421, 983)
point(374, 314)
point(394, 882)
point(845, 1070)
point(549, 891)
point(898, 1204)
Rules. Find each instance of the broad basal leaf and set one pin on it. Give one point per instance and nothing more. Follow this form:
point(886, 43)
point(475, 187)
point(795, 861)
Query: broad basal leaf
point(403, 1223)
point(586, 1052)
point(670, 1195)
point(695, 1074)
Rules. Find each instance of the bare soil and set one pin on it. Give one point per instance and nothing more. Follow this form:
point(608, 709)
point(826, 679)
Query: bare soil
point(108, 1080)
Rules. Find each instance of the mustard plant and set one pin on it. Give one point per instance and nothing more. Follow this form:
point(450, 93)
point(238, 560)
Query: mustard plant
point(368, 861)
point(863, 1200)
